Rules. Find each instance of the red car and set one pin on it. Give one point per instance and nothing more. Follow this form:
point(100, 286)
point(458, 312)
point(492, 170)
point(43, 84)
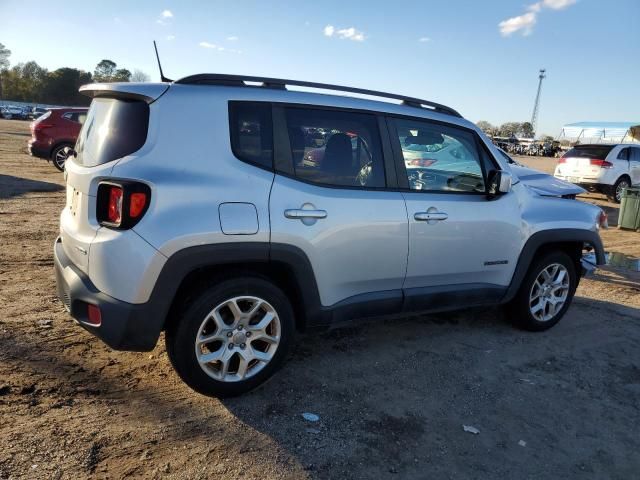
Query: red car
point(55, 130)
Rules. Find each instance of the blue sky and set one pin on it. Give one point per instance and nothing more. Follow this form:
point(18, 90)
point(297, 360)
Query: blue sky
point(480, 57)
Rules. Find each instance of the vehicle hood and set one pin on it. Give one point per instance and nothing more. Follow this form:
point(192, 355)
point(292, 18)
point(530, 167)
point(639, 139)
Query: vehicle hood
point(545, 184)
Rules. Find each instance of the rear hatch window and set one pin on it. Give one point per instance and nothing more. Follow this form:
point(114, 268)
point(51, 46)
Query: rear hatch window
point(589, 151)
point(114, 128)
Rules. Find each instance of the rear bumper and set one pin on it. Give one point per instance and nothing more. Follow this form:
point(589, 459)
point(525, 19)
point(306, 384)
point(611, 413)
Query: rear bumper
point(125, 326)
point(36, 150)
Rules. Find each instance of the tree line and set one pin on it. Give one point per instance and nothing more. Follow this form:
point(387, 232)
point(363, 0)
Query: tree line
point(29, 82)
point(508, 129)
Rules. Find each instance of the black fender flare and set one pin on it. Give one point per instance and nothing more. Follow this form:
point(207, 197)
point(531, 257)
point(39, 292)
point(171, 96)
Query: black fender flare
point(546, 237)
point(182, 263)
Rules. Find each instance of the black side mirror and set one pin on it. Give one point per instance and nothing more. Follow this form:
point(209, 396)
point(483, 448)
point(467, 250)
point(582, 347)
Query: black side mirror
point(498, 182)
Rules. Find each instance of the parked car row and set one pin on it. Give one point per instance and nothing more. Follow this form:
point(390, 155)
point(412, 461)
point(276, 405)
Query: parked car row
point(539, 149)
point(12, 112)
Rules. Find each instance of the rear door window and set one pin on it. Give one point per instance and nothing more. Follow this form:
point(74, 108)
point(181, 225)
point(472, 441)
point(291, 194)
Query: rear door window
point(113, 129)
point(332, 147)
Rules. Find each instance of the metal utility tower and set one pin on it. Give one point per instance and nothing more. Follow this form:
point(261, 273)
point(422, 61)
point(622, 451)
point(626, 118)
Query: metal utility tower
point(536, 105)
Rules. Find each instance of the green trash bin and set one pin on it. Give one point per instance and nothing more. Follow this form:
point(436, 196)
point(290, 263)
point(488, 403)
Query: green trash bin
point(630, 209)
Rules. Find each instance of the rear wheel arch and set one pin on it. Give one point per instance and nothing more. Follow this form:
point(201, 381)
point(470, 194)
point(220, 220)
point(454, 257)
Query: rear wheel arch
point(191, 271)
point(613, 190)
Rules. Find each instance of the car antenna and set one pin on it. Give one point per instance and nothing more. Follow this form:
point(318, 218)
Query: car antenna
point(162, 77)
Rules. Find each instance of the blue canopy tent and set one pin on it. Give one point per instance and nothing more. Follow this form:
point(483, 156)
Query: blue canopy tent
point(601, 132)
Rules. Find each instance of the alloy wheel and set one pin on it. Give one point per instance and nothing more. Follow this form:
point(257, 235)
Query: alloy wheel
point(622, 185)
point(60, 158)
point(238, 338)
point(549, 292)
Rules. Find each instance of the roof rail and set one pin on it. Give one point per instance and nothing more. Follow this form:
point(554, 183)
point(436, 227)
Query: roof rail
point(281, 84)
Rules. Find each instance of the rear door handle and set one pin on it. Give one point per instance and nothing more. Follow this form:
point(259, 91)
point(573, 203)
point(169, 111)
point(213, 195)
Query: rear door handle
point(298, 213)
point(430, 216)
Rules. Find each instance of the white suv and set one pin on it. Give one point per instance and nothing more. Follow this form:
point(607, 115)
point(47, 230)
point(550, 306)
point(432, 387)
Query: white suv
point(230, 212)
point(607, 169)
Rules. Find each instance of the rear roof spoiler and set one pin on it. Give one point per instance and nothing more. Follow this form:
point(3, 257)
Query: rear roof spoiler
point(147, 92)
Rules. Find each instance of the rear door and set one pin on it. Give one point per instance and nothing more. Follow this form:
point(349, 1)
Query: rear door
point(329, 200)
point(463, 247)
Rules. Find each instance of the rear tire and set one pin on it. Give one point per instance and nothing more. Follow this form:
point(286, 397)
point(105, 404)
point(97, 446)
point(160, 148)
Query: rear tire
point(615, 192)
point(59, 157)
point(221, 344)
point(546, 292)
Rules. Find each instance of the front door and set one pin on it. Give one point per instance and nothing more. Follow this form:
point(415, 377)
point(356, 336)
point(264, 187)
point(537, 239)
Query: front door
point(463, 247)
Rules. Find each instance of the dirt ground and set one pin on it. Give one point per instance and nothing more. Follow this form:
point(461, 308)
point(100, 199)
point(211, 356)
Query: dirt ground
point(392, 396)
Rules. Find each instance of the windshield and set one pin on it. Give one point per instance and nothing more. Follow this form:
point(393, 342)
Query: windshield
point(113, 129)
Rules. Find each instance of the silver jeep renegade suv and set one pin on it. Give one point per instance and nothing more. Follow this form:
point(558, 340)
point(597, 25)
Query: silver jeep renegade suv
point(231, 212)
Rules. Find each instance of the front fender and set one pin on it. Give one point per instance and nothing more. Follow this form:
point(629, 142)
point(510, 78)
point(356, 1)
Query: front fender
point(547, 237)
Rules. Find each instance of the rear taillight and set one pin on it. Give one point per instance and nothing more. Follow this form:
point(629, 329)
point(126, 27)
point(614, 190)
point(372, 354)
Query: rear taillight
point(603, 220)
point(600, 163)
point(114, 209)
point(562, 160)
point(121, 204)
point(39, 127)
point(137, 205)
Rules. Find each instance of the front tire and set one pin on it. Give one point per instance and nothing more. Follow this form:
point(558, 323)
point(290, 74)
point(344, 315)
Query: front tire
point(231, 337)
point(546, 292)
point(59, 156)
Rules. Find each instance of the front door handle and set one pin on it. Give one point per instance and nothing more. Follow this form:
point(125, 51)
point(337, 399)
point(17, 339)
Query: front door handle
point(430, 216)
point(299, 213)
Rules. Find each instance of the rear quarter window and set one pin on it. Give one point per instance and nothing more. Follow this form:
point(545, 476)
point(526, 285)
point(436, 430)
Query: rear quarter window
point(113, 129)
point(251, 131)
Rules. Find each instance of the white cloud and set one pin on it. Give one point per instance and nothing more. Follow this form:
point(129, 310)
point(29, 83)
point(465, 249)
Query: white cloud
point(233, 38)
point(218, 48)
point(165, 18)
point(351, 34)
point(524, 23)
point(424, 39)
point(558, 4)
point(171, 37)
point(344, 33)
